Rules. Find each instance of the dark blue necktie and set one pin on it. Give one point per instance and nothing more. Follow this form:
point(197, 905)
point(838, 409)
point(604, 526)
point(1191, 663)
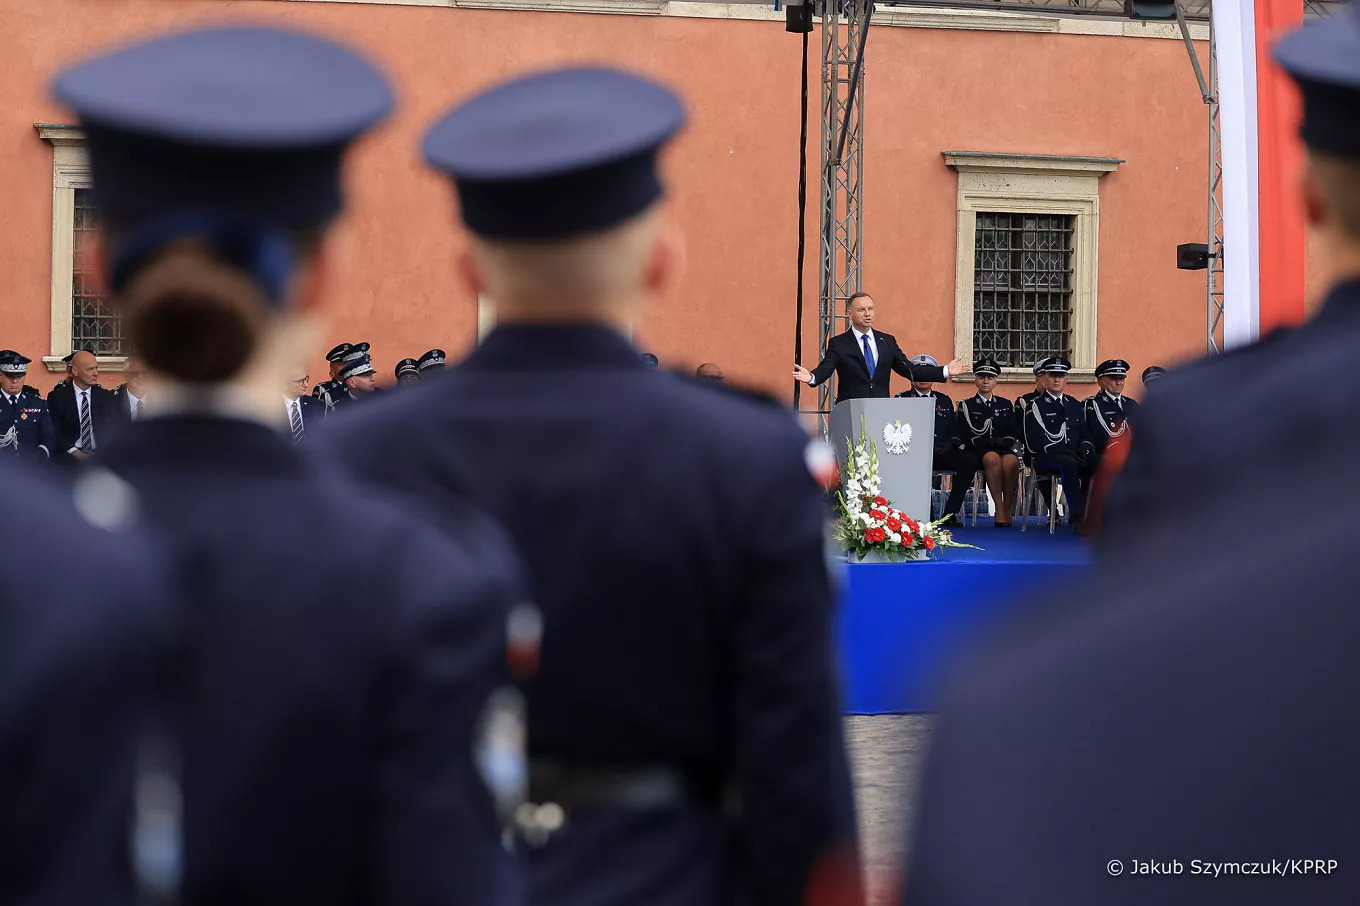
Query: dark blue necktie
point(868, 353)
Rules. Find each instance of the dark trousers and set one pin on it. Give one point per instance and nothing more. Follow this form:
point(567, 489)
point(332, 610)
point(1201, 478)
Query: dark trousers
point(1070, 474)
point(1088, 471)
point(964, 464)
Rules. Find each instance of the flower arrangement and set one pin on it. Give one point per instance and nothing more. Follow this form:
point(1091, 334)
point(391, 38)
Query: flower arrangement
point(867, 522)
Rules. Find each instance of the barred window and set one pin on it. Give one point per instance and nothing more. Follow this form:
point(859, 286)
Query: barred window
point(94, 325)
point(1022, 286)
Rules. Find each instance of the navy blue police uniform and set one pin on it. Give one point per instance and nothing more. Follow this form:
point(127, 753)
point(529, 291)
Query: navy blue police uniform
point(357, 364)
point(1108, 417)
point(674, 537)
point(1207, 422)
point(988, 423)
point(75, 650)
point(951, 452)
point(1054, 432)
point(324, 391)
point(329, 695)
point(431, 362)
point(25, 424)
point(408, 371)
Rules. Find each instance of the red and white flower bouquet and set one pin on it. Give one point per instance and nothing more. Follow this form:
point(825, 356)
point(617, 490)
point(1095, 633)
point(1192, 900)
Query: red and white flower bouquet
point(867, 523)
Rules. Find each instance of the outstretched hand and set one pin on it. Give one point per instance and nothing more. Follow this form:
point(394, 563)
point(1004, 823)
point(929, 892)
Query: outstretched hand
point(802, 374)
point(956, 368)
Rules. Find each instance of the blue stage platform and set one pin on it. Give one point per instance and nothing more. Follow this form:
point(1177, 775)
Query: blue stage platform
point(903, 624)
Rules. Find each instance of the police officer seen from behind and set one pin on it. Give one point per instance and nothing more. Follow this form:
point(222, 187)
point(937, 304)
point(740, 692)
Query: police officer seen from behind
point(408, 372)
point(673, 531)
point(74, 650)
point(1054, 430)
point(1137, 726)
point(951, 453)
point(1108, 413)
point(987, 424)
point(25, 425)
point(329, 697)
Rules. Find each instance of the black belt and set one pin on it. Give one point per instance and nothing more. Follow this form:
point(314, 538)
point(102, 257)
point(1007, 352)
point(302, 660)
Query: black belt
point(637, 788)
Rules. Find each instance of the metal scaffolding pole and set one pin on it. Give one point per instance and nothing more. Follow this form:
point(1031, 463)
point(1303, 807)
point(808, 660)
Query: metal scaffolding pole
point(844, 29)
point(1214, 275)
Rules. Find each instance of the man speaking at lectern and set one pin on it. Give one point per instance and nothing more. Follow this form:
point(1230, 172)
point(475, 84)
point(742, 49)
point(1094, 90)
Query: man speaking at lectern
point(864, 359)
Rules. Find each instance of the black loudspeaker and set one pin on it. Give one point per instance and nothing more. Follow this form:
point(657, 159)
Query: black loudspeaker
point(1192, 256)
point(1149, 9)
point(798, 16)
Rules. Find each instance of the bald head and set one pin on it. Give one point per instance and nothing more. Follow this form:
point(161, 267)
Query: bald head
point(84, 369)
point(709, 372)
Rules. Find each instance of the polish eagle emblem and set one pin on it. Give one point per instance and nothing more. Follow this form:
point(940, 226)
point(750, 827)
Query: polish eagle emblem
point(897, 437)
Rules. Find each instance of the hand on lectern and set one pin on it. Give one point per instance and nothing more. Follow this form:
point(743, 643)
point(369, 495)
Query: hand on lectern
point(802, 374)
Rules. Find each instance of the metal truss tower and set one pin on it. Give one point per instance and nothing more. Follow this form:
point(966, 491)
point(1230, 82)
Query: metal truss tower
point(1214, 278)
point(844, 29)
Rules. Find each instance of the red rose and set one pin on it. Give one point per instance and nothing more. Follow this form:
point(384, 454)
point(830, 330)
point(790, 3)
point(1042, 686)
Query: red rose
point(930, 543)
point(877, 514)
point(894, 525)
point(881, 501)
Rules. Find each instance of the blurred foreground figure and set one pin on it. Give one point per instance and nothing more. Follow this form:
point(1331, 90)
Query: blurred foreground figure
point(75, 648)
point(684, 720)
point(1189, 740)
point(1206, 425)
point(321, 727)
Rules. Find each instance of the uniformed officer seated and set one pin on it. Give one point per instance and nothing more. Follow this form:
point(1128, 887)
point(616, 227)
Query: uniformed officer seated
point(951, 454)
point(431, 362)
point(408, 372)
point(25, 425)
point(988, 424)
point(1108, 413)
point(1054, 430)
point(357, 377)
point(327, 391)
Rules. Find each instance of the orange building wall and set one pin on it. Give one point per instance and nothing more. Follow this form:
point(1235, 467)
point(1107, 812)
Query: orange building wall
point(734, 171)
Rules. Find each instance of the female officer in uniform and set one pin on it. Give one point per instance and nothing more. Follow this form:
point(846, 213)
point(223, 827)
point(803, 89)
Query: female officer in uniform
point(323, 713)
point(989, 427)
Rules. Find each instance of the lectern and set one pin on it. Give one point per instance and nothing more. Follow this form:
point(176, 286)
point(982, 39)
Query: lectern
point(904, 476)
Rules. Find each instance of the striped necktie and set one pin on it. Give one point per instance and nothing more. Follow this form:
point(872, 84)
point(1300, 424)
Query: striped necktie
point(295, 419)
point(86, 423)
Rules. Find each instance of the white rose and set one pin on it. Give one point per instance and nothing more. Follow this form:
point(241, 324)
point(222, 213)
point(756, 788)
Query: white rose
point(896, 538)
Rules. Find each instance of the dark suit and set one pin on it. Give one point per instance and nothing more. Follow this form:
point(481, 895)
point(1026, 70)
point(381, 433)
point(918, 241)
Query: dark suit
point(61, 403)
point(845, 357)
point(313, 411)
point(1137, 728)
point(76, 606)
point(123, 404)
point(675, 538)
point(334, 688)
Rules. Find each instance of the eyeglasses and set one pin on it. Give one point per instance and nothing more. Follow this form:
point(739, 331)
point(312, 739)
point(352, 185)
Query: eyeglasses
point(302, 380)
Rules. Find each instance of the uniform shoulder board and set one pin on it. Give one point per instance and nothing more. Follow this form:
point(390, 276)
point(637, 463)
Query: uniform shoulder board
point(30, 391)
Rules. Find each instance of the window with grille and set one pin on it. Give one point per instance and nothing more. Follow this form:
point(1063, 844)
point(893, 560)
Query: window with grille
point(1022, 287)
point(93, 325)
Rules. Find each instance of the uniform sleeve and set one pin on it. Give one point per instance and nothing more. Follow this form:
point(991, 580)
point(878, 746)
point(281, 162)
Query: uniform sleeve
point(974, 440)
point(438, 839)
point(790, 761)
point(954, 432)
point(1093, 429)
point(47, 436)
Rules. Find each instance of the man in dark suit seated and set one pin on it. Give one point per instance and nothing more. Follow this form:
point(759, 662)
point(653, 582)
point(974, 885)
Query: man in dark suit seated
point(130, 399)
point(303, 412)
point(82, 411)
point(863, 359)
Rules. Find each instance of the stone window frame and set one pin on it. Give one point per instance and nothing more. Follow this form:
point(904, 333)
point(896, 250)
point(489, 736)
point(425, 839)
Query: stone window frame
point(1031, 183)
point(70, 171)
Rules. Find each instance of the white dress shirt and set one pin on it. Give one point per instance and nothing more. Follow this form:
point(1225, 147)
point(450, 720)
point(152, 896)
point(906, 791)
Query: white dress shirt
point(135, 406)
